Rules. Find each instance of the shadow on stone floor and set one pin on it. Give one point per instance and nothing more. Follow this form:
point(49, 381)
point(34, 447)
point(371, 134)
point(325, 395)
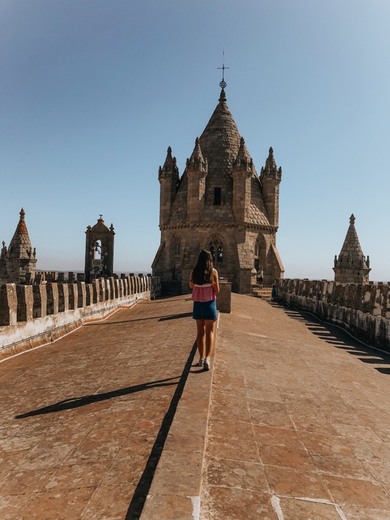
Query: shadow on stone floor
point(141, 492)
point(339, 338)
point(76, 402)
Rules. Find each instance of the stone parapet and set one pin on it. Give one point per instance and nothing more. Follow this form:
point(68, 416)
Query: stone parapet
point(361, 309)
point(31, 315)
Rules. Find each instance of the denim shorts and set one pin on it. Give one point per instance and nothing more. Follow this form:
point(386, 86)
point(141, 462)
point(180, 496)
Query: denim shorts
point(205, 310)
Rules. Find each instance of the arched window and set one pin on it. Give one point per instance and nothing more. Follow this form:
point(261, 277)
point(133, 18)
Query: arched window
point(97, 250)
point(216, 250)
point(259, 256)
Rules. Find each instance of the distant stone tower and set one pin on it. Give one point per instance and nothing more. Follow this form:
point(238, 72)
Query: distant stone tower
point(351, 266)
point(18, 262)
point(221, 204)
point(99, 251)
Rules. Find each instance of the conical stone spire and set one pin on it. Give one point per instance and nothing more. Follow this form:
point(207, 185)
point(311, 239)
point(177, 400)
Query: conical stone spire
point(21, 257)
point(220, 140)
point(20, 245)
point(351, 266)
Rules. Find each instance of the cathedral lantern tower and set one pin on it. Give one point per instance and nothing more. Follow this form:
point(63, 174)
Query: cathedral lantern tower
point(221, 204)
point(351, 266)
point(18, 262)
point(99, 251)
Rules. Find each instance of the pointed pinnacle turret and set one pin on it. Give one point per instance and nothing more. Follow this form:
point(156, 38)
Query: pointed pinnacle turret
point(20, 245)
point(196, 161)
point(351, 266)
point(271, 170)
point(170, 168)
point(351, 250)
point(243, 160)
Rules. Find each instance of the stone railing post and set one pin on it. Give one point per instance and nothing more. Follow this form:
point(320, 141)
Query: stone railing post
point(81, 295)
point(52, 298)
point(73, 296)
point(40, 301)
point(224, 297)
point(25, 302)
point(8, 304)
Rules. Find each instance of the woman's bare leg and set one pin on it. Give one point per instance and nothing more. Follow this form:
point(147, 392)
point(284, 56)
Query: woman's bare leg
point(210, 328)
point(201, 337)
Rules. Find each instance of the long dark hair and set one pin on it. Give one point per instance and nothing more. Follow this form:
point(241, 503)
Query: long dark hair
point(203, 271)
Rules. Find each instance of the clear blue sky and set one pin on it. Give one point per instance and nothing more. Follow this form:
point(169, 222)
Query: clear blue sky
point(92, 92)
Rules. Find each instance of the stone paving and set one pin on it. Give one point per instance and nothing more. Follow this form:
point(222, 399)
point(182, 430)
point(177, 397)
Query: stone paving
point(291, 423)
point(80, 418)
point(299, 422)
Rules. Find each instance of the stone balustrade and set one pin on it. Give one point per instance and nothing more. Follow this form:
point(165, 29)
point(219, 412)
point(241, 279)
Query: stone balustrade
point(363, 310)
point(31, 315)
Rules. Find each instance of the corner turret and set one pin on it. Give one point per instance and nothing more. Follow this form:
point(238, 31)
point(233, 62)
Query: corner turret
point(270, 178)
point(242, 186)
point(168, 177)
point(196, 172)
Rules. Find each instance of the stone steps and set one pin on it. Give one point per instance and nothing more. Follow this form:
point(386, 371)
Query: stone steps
point(262, 292)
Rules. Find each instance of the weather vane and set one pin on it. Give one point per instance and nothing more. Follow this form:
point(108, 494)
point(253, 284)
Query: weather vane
point(223, 83)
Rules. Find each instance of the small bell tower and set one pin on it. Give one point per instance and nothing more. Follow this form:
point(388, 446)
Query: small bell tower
point(99, 251)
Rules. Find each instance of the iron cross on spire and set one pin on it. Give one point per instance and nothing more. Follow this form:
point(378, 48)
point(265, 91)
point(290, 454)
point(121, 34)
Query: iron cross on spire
point(223, 83)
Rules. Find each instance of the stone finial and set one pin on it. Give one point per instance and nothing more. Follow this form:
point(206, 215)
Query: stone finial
point(352, 219)
point(222, 97)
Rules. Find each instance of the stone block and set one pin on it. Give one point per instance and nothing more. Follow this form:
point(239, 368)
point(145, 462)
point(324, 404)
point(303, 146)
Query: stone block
point(224, 297)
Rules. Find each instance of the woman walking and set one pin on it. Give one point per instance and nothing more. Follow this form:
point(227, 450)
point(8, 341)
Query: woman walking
point(204, 283)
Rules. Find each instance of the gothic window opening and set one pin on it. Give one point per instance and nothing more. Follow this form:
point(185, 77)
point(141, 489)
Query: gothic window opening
point(97, 250)
point(177, 247)
point(258, 259)
point(217, 196)
point(216, 250)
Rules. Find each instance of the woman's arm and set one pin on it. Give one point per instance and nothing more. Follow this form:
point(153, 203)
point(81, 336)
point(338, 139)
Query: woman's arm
point(190, 283)
point(215, 281)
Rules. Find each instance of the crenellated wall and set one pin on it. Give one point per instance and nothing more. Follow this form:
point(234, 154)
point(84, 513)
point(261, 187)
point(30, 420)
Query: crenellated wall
point(31, 315)
point(363, 310)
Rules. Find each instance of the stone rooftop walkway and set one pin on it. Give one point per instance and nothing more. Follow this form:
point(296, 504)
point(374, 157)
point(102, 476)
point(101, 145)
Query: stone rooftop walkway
point(292, 423)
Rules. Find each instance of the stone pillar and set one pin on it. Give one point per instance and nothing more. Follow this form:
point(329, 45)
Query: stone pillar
point(63, 297)
point(224, 297)
point(107, 285)
point(40, 301)
point(73, 296)
point(52, 298)
point(8, 304)
point(81, 295)
point(25, 302)
point(96, 290)
point(120, 287)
